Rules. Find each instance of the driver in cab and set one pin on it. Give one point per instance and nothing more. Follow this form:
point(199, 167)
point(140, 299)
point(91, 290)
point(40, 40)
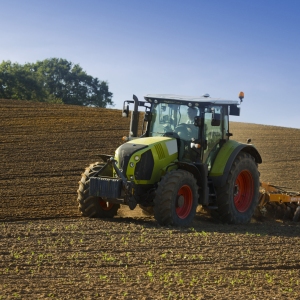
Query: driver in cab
point(188, 131)
point(192, 113)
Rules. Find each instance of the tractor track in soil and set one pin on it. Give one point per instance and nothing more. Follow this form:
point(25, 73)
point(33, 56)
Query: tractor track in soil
point(48, 251)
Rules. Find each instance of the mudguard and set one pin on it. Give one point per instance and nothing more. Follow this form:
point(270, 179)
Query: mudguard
point(225, 158)
point(200, 173)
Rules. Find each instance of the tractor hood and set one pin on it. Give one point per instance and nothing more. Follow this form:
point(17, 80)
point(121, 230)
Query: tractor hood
point(143, 160)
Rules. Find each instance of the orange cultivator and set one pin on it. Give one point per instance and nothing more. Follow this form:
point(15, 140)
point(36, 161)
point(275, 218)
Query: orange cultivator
point(279, 202)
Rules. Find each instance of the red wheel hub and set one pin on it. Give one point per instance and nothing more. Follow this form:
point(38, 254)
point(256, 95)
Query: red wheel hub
point(105, 205)
point(184, 202)
point(243, 191)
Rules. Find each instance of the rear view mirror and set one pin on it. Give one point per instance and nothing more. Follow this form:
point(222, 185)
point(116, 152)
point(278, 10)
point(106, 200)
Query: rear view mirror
point(234, 110)
point(148, 117)
point(125, 112)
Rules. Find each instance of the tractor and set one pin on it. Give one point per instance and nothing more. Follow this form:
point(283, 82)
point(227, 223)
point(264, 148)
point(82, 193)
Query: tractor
point(181, 157)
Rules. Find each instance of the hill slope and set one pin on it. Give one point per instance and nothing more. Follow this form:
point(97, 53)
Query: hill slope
point(45, 148)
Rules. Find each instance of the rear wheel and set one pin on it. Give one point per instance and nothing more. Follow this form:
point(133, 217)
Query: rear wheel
point(238, 198)
point(91, 206)
point(176, 199)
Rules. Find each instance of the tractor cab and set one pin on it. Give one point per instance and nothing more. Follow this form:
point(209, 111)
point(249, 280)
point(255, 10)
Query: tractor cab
point(200, 124)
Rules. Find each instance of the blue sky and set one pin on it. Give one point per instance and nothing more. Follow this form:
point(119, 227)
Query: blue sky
point(190, 47)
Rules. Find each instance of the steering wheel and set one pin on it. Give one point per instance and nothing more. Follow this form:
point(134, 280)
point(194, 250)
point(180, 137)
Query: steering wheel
point(172, 134)
point(184, 131)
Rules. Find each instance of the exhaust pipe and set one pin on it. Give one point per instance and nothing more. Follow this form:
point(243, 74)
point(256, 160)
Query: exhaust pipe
point(134, 123)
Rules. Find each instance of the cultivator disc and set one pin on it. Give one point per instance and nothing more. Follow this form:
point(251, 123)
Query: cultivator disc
point(279, 202)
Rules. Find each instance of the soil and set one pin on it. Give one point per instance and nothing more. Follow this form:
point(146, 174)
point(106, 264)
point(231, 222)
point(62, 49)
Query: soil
point(47, 250)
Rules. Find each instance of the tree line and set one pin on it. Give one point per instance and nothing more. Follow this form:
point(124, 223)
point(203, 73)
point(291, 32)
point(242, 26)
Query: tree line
point(53, 80)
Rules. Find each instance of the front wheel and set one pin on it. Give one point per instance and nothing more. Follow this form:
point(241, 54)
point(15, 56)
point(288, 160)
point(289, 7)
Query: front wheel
point(238, 198)
point(91, 206)
point(176, 199)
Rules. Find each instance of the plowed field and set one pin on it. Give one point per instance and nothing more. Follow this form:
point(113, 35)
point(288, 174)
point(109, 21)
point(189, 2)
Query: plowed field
point(48, 251)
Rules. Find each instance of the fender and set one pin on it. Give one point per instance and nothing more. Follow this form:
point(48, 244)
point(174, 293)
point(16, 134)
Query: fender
point(225, 158)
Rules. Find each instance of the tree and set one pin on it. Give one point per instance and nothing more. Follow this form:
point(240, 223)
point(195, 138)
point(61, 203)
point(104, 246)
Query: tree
point(53, 80)
point(17, 83)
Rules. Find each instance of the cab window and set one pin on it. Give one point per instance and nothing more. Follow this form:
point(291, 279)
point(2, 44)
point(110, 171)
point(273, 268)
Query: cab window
point(213, 132)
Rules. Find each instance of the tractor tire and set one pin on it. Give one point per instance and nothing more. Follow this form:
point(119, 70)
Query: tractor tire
point(176, 199)
point(239, 197)
point(91, 206)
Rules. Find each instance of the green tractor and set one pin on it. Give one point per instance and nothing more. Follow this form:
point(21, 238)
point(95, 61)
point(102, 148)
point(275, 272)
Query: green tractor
point(183, 158)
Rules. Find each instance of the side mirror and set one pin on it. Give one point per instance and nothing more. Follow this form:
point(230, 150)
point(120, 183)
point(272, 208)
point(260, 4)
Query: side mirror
point(234, 110)
point(148, 117)
point(125, 112)
point(216, 119)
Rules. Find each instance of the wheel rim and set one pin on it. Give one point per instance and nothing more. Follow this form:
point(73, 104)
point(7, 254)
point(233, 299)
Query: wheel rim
point(243, 191)
point(185, 195)
point(105, 205)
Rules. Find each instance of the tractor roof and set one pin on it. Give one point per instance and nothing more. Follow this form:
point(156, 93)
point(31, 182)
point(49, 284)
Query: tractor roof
point(168, 98)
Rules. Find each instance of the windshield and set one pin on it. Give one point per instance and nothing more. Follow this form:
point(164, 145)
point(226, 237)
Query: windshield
point(174, 118)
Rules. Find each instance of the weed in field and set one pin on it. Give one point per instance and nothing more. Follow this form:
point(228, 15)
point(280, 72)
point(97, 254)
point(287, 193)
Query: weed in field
point(287, 290)
point(107, 257)
point(203, 233)
point(16, 255)
point(123, 277)
point(194, 281)
point(16, 295)
point(125, 240)
point(150, 275)
point(269, 278)
point(219, 280)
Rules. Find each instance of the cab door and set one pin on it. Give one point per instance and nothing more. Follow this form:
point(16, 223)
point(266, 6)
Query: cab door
point(214, 132)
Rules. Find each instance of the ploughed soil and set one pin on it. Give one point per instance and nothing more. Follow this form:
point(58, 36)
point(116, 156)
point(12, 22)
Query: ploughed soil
point(47, 250)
